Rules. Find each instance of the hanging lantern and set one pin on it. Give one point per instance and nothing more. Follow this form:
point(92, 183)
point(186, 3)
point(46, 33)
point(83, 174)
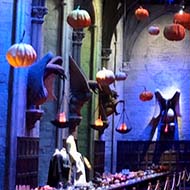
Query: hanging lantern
point(61, 120)
point(79, 18)
point(105, 77)
point(141, 13)
point(122, 126)
point(154, 30)
point(174, 32)
point(182, 18)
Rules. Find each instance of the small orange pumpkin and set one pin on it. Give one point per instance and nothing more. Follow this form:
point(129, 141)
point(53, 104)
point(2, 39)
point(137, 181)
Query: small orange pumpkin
point(146, 95)
point(182, 18)
point(174, 32)
point(154, 30)
point(105, 77)
point(79, 18)
point(21, 55)
point(141, 13)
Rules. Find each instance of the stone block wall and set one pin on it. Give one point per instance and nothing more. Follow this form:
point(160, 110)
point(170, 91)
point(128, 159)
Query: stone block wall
point(5, 33)
point(155, 63)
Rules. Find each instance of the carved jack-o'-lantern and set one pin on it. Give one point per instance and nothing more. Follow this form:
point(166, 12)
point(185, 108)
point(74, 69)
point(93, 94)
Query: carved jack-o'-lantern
point(79, 19)
point(182, 18)
point(141, 13)
point(21, 55)
point(174, 32)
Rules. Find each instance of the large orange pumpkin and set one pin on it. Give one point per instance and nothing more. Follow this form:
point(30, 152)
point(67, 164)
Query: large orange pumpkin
point(79, 19)
point(174, 32)
point(182, 18)
point(141, 13)
point(21, 55)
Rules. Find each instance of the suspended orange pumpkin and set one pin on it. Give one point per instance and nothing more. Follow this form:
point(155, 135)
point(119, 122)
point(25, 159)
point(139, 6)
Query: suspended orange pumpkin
point(154, 30)
point(79, 18)
point(141, 13)
point(174, 32)
point(182, 18)
point(146, 95)
point(21, 55)
point(105, 77)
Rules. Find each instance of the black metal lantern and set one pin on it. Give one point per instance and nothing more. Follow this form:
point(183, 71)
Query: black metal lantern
point(123, 126)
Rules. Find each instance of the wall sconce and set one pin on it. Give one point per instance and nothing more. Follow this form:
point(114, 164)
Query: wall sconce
point(32, 116)
point(123, 128)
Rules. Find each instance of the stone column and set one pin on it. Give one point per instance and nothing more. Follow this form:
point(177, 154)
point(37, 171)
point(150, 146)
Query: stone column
point(77, 38)
point(38, 13)
point(37, 17)
point(105, 56)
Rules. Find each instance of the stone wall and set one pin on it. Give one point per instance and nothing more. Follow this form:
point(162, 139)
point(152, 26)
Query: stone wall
point(47, 135)
point(15, 19)
point(57, 41)
point(155, 63)
point(5, 33)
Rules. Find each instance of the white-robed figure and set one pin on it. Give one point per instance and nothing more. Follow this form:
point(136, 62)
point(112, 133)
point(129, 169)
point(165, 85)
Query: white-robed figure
point(78, 175)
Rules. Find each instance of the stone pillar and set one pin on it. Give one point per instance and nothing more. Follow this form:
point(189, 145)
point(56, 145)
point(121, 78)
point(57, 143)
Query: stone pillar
point(105, 56)
point(77, 37)
point(38, 12)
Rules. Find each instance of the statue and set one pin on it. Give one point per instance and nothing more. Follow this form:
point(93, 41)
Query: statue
point(41, 76)
point(164, 126)
point(167, 128)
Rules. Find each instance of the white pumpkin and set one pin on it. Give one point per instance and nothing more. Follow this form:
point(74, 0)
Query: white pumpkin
point(154, 30)
point(105, 77)
point(120, 76)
